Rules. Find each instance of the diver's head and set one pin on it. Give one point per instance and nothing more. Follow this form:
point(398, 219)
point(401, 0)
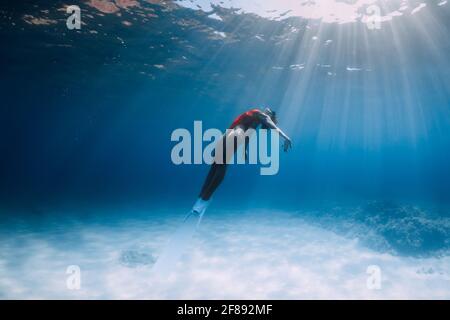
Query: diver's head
point(272, 114)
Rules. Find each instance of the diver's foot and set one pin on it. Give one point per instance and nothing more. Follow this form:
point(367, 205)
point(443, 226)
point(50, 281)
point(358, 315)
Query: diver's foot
point(192, 213)
point(201, 205)
point(198, 209)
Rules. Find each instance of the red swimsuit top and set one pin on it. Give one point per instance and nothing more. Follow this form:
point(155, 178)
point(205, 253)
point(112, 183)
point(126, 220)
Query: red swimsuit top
point(247, 120)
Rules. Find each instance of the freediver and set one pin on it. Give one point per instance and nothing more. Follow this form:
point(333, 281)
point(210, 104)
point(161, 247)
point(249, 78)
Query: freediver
point(251, 119)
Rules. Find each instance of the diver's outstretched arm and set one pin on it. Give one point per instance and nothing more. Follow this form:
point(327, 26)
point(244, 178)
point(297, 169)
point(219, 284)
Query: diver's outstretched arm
point(267, 121)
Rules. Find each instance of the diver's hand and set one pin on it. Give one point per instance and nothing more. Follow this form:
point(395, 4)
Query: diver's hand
point(287, 145)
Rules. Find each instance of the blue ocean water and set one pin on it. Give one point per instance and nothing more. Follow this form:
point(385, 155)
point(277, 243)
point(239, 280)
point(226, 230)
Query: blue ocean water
point(87, 178)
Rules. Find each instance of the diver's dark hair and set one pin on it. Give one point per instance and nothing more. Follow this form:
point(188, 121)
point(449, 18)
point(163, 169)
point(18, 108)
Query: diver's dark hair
point(272, 114)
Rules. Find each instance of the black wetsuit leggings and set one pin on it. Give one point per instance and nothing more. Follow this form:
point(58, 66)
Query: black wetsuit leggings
point(216, 173)
point(213, 180)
